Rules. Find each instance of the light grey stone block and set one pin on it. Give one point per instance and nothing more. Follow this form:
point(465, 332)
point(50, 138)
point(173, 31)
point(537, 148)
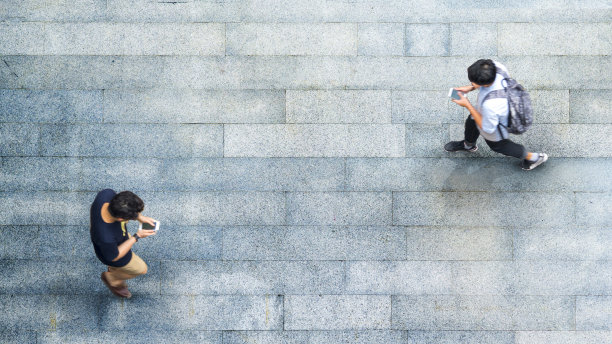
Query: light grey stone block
point(555, 38)
point(136, 336)
point(459, 244)
point(337, 312)
point(419, 107)
point(406, 278)
point(313, 140)
point(47, 312)
point(550, 106)
point(592, 209)
point(563, 337)
point(45, 174)
point(495, 312)
point(590, 106)
point(45, 208)
point(569, 243)
point(50, 106)
point(202, 11)
point(291, 39)
point(381, 39)
point(132, 39)
point(50, 10)
point(593, 313)
point(219, 174)
point(66, 243)
point(457, 209)
point(216, 208)
point(473, 39)
point(22, 38)
point(315, 337)
point(314, 243)
point(427, 39)
point(426, 140)
point(252, 278)
point(563, 277)
point(18, 139)
point(351, 106)
point(464, 337)
point(193, 106)
point(128, 140)
point(501, 174)
point(354, 208)
point(12, 239)
point(483, 278)
point(203, 313)
point(181, 243)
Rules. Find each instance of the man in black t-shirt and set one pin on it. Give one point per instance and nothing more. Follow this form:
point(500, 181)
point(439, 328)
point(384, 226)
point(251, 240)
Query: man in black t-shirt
point(109, 215)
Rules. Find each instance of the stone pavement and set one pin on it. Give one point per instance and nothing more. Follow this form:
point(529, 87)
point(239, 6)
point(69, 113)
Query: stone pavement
point(293, 152)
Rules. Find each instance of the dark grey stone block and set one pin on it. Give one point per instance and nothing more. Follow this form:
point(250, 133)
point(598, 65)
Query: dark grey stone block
point(182, 243)
point(65, 243)
point(17, 337)
point(45, 208)
point(50, 106)
point(314, 243)
point(12, 239)
point(19, 139)
point(252, 278)
point(39, 173)
point(427, 140)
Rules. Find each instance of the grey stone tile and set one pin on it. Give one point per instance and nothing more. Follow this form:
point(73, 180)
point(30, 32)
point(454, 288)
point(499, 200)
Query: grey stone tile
point(459, 244)
point(18, 139)
point(66, 243)
point(483, 278)
point(252, 278)
point(550, 106)
point(473, 39)
point(291, 39)
point(314, 243)
point(351, 106)
point(74, 336)
point(22, 38)
point(46, 312)
point(381, 39)
point(216, 208)
point(45, 174)
point(50, 106)
point(145, 336)
point(425, 107)
point(464, 337)
point(427, 140)
point(12, 239)
point(563, 337)
point(593, 313)
point(490, 174)
point(590, 106)
point(202, 313)
point(221, 174)
point(457, 209)
point(314, 140)
point(185, 243)
point(193, 106)
point(160, 11)
point(445, 312)
point(128, 140)
point(396, 278)
point(315, 337)
point(348, 208)
point(49, 10)
point(563, 277)
point(17, 337)
point(132, 39)
point(570, 243)
point(337, 312)
point(45, 208)
point(592, 209)
point(555, 38)
point(427, 39)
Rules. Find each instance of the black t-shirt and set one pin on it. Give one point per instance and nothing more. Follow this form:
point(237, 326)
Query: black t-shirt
point(106, 237)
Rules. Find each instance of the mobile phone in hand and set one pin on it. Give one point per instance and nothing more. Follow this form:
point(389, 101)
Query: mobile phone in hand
point(147, 226)
point(453, 93)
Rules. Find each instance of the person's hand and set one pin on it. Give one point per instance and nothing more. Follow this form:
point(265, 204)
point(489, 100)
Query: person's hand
point(143, 233)
point(465, 89)
point(463, 101)
point(145, 219)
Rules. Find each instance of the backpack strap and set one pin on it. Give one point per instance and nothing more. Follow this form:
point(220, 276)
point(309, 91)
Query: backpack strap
point(499, 94)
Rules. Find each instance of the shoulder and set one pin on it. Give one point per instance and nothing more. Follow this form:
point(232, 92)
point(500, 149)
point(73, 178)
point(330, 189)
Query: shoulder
point(495, 105)
point(105, 195)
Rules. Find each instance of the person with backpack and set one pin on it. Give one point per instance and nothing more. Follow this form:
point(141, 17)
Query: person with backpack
point(503, 107)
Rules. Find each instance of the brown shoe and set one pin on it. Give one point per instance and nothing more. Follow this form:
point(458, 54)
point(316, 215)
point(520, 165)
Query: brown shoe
point(119, 291)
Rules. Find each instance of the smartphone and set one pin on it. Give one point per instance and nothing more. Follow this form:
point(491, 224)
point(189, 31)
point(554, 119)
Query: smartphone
point(148, 226)
point(453, 93)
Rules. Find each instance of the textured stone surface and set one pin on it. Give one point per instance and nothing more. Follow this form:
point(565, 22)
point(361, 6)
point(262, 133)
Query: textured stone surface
point(381, 39)
point(590, 106)
point(466, 337)
point(571, 243)
point(315, 337)
point(50, 106)
point(425, 107)
point(473, 39)
point(427, 40)
point(563, 337)
point(591, 209)
point(594, 313)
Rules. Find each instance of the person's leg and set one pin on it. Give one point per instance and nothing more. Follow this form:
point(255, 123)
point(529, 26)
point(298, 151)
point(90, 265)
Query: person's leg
point(117, 276)
point(471, 132)
point(509, 148)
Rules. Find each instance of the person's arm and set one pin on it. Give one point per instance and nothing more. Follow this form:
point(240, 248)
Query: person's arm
point(465, 89)
point(466, 104)
point(126, 246)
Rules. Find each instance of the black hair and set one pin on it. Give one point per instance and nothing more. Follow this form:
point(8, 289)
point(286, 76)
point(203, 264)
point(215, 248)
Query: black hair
point(482, 72)
point(126, 205)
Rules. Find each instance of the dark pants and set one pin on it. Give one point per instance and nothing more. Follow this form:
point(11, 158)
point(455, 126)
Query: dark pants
point(505, 147)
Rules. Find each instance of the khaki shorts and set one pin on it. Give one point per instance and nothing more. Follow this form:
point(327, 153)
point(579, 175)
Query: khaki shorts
point(135, 267)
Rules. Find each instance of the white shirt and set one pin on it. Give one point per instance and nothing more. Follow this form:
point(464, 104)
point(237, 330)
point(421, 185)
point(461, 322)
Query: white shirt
point(494, 110)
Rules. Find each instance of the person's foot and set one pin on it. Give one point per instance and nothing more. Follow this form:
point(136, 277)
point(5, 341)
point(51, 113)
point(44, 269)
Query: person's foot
point(530, 165)
point(121, 291)
point(458, 146)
